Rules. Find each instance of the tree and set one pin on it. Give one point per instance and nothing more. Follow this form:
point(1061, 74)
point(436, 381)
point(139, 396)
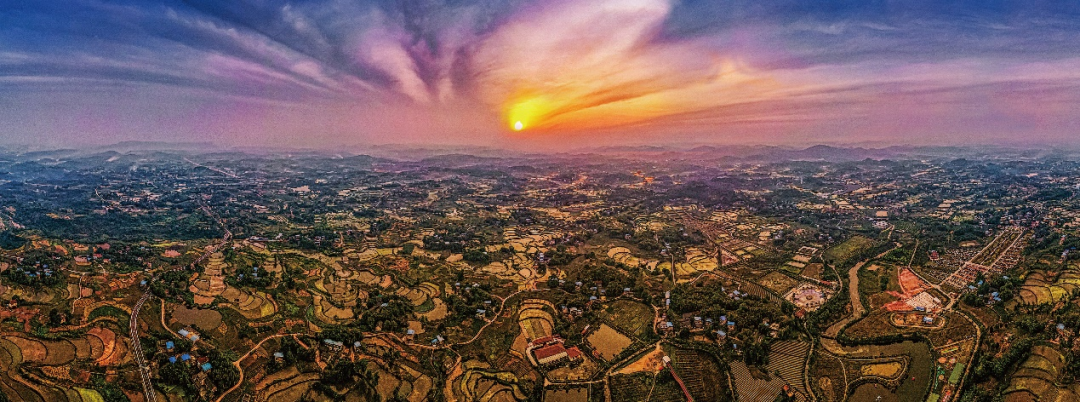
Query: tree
point(174, 373)
point(110, 392)
point(224, 374)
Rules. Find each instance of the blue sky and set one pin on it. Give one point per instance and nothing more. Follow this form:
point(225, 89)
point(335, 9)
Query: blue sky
point(601, 72)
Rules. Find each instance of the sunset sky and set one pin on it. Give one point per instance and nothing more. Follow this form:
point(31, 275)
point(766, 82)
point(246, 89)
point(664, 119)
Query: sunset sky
point(324, 74)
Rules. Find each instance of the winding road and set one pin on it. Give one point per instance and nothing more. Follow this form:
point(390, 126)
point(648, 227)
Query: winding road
point(241, 369)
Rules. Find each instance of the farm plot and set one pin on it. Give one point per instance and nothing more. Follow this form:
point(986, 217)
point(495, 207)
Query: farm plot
point(884, 370)
point(419, 295)
point(629, 317)
point(31, 350)
point(645, 387)
point(579, 394)
point(58, 353)
point(850, 248)
point(827, 378)
point(113, 312)
point(89, 395)
point(624, 256)
point(10, 357)
point(582, 371)
point(204, 319)
point(490, 387)
point(608, 342)
point(778, 282)
point(368, 278)
point(872, 391)
point(651, 362)
point(875, 324)
point(536, 323)
point(438, 311)
point(104, 345)
point(814, 271)
point(919, 366)
point(48, 352)
point(16, 387)
point(290, 389)
point(1038, 288)
point(954, 329)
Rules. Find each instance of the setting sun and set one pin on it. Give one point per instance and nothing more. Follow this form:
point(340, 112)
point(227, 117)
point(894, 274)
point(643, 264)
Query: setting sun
point(518, 126)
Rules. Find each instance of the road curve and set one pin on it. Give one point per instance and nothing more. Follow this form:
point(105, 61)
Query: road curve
point(857, 309)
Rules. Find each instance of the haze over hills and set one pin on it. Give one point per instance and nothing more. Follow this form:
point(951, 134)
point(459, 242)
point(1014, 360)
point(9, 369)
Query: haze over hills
point(729, 154)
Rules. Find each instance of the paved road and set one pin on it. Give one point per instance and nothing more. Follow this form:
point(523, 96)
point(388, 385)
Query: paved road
point(136, 346)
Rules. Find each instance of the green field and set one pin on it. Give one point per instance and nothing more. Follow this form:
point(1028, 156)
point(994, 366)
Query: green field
point(629, 317)
point(110, 311)
point(89, 395)
point(843, 252)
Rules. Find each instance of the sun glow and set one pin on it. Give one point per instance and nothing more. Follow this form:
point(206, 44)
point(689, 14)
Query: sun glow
point(529, 111)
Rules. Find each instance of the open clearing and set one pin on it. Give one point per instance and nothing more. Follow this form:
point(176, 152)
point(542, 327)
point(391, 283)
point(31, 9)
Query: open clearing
point(608, 342)
point(205, 319)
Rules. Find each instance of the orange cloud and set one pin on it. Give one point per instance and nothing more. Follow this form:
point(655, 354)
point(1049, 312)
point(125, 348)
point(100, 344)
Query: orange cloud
point(602, 64)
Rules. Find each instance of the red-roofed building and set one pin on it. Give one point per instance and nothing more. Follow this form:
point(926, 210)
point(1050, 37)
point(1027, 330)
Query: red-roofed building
point(573, 353)
point(550, 354)
point(543, 340)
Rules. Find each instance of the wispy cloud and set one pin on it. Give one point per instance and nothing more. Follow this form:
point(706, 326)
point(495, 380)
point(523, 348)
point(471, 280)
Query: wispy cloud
point(559, 66)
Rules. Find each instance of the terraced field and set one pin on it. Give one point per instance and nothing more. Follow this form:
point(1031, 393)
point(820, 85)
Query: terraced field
point(644, 387)
point(1036, 378)
point(252, 306)
point(789, 358)
point(750, 389)
point(1039, 289)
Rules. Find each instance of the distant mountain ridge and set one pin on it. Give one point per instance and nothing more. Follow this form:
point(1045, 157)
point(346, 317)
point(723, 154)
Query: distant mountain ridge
point(459, 156)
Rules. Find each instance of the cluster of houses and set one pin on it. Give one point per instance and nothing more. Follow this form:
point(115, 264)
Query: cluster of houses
point(85, 257)
point(698, 324)
point(201, 363)
point(571, 313)
point(332, 350)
